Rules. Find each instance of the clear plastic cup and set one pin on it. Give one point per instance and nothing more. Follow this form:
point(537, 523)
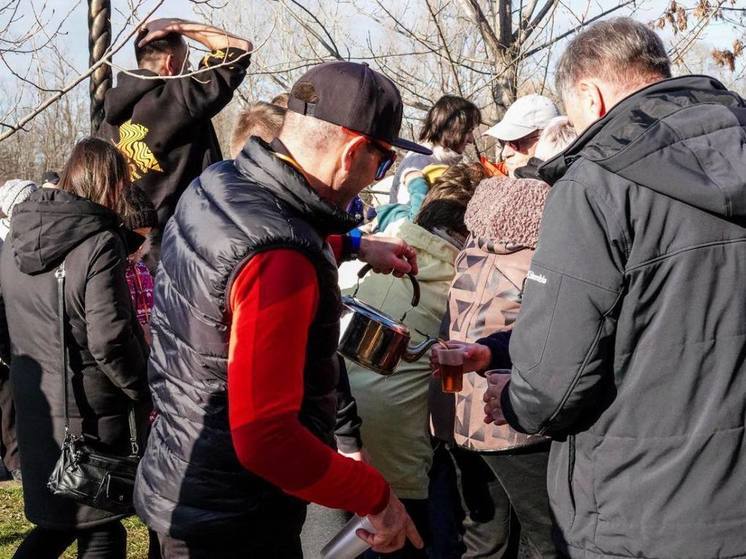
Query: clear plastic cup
point(451, 365)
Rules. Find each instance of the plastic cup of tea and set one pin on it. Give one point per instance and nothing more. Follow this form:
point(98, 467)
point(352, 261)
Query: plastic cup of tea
point(346, 544)
point(451, 365)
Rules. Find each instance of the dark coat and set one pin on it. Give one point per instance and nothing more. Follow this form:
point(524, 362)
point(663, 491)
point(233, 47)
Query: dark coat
point(163, 126)
point(106, 349)
point(190, 481)
point(630, 349)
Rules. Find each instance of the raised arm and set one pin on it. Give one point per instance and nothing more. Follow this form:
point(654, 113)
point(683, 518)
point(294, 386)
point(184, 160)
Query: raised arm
point(211, 37)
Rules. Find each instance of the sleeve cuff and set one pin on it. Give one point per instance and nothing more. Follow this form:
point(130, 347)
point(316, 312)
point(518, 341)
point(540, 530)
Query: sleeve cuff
point(351, 245)
point(383, 502)
point(241, 57)
point(349, 443)
point(508, 411)
point(418, 185)
point(499, 344)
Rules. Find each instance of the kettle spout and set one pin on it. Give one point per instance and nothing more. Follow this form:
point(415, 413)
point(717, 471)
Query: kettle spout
point(413, 353)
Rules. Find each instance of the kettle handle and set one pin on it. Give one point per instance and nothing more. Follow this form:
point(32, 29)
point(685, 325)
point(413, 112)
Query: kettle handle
point(415, 284)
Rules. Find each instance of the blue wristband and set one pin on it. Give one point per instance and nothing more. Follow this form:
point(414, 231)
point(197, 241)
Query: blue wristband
point(355, 237)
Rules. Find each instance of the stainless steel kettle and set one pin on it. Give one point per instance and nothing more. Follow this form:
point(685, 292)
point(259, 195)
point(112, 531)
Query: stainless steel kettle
point(375, 340)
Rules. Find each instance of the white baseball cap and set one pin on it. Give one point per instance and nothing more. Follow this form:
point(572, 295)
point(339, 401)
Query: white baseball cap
point(526, 115)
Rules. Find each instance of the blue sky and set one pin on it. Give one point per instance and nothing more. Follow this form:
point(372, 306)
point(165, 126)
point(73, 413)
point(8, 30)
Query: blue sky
point(75, 43)
point(76, 27)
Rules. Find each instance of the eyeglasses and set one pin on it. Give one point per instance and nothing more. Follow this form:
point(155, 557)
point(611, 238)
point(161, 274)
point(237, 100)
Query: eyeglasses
point(389, 155)
point(522, 144)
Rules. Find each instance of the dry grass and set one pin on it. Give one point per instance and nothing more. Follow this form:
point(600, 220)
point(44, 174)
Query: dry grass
point(14, 526)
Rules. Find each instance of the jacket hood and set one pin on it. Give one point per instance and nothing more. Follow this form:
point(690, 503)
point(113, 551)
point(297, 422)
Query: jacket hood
point(432, 250)
point(682, 137)
point(260, 164)
point(51, 223)
point(505, 213)
point(121, 100)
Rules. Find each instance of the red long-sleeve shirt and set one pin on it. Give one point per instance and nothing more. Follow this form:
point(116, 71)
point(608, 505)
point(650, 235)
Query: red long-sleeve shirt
point(273, 302)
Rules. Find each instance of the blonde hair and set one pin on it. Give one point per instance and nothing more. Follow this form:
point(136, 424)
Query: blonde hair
point(258, 119)
point(557, 135)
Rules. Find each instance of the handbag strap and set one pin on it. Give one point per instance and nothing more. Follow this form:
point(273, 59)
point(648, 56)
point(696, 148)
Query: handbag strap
point(131, 420)
point(60, 275)
point(134, 446)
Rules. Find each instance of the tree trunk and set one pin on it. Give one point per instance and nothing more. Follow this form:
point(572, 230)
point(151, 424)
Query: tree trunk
point(99, 41)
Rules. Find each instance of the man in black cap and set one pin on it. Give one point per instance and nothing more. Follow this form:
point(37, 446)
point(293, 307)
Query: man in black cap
point(50, 179)
point(243, 367)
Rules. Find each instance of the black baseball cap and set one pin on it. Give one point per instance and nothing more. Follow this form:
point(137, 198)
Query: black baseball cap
point(356, 97)
point(51, 177)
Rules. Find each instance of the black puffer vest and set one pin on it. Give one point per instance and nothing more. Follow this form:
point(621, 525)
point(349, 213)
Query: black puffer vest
point(191, 482)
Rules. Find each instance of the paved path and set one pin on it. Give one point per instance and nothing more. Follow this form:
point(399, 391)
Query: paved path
point(320, 527)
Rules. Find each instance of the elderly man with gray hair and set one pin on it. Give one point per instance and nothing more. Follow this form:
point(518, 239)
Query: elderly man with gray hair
point(630, 349)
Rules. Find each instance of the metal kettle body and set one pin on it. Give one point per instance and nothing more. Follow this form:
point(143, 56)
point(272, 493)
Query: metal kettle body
point(377, 341)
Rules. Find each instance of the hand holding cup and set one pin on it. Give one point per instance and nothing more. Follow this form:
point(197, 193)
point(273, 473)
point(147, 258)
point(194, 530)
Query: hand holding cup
point(476, 356)
point(497, 380)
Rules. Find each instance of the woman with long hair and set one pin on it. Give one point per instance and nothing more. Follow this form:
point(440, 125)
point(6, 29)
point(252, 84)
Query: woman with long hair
point(77, 228)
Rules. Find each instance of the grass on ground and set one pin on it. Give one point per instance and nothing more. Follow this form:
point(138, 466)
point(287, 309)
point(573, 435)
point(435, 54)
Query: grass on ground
point(14, 526)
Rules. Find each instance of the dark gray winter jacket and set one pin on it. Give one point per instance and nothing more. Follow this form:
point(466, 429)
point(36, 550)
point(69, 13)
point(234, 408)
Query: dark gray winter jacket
point(107, 354)
point(630, 349)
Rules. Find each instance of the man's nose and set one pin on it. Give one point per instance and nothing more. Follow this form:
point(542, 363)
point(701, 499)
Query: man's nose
point(508, 151)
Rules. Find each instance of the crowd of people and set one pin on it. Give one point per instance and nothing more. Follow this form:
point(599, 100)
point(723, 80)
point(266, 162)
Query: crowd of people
point(158, 299)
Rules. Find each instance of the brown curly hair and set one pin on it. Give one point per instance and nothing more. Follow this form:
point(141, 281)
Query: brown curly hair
point(445, 203)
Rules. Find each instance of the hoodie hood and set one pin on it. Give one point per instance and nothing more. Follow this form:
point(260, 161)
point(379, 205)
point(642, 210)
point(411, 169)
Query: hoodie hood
point(51, 223)
point(435, 254)
point(682, 137)
point(121, 100)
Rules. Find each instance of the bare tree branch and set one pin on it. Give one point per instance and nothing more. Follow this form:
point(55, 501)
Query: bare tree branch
point(445, 47)
point(69, 87)
point(485, 29)
point(578, 28)
point(526, 32)
point(329, 45)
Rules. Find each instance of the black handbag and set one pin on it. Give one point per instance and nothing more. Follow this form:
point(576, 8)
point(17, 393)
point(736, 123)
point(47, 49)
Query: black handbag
point(88, 476)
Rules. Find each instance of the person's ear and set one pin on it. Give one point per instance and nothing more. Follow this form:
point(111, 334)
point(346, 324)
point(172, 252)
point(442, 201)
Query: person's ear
point(171, 65)
point(592, 98)
point(352, 151)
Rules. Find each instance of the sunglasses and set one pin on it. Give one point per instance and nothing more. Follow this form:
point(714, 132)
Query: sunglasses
point(522, 144)
point(388, 154)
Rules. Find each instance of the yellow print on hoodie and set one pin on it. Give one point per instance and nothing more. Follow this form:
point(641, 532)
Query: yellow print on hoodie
point(132, 145)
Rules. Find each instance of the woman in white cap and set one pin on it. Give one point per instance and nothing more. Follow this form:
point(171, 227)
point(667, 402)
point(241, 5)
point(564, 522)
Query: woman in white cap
point(518, 131)
point(11, 193)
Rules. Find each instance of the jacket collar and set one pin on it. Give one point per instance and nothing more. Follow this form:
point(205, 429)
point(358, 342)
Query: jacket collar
point(261, 164)
point(555, 168)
